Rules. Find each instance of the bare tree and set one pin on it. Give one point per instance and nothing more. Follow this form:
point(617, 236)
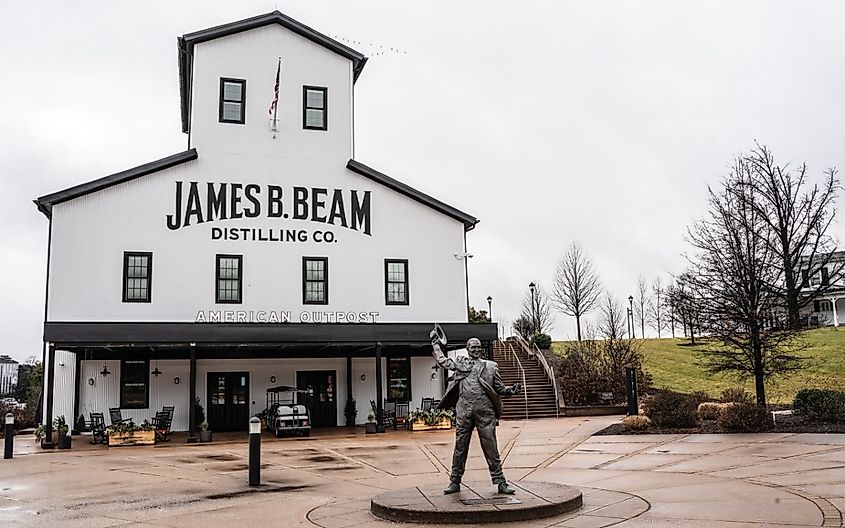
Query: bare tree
point(735, 273)
point(537, 310)
point(656, 316)
point(641, 300)
point(797, 216)
point(576, 289)
point(611, 324)
point(685, 305)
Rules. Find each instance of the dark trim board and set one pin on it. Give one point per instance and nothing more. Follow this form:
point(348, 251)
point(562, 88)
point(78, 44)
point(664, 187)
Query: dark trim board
point(45, 203)
point(328, 334)
point(357, 167)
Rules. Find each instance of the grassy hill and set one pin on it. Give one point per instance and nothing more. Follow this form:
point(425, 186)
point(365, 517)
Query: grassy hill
point(672, 365)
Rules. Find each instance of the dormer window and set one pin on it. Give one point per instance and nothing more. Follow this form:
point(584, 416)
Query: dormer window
point(315, 108)
point(232, 100)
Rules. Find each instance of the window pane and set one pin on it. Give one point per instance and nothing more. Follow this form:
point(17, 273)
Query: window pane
point(232, 91)
point(314, 99)
point(232, 111)
point(314, 118)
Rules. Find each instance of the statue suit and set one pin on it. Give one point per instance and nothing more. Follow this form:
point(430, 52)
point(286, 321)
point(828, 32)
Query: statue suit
point(475, 393)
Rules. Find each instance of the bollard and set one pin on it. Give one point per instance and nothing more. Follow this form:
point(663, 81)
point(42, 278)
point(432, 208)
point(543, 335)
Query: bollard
point(254, 451)
point(631, 386)
point(10, 435)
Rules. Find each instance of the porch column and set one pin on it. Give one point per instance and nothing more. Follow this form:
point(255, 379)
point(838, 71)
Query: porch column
point(350, 421)
point(192, 396)
point(835, 316)
point(379, 401)
point(76, 393)
point(47, 443)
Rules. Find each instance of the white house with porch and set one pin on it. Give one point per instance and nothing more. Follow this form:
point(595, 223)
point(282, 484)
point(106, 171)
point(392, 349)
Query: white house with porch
point(827, 286)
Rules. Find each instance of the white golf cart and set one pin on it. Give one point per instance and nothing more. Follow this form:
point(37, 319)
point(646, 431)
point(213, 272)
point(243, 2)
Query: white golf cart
point(287, 416)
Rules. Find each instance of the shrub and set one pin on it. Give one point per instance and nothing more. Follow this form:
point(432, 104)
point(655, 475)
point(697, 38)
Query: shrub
point(735, 395)
point(745, 417)
point(710, 410)
point(699, 397)
point(636, 422)
point(821, 404)
point(588, 368)
point(671, 409)
point(543, 341)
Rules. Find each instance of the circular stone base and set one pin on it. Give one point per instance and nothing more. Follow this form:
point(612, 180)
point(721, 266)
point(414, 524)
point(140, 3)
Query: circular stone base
point(476, 503)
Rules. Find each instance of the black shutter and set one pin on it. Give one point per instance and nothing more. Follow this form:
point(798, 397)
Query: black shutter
point(805, 279)
point(816, 307)
point(825, 277)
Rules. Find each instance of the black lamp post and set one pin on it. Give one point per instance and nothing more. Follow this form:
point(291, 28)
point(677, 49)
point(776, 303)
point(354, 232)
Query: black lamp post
point(532, 287)
point(631, 307)
point(490, 308)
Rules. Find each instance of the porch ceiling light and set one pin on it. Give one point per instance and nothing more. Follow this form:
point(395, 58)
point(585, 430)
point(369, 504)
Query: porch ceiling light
point(105, 372)
point(156, 372)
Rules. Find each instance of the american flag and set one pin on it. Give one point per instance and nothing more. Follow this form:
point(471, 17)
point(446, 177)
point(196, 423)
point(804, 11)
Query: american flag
point(275, 102)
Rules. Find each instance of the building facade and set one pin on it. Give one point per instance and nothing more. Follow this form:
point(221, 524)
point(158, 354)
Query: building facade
point(8, 375)
point(827, 287)
point(264, 254)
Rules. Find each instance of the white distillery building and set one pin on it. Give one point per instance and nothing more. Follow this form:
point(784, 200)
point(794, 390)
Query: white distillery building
point(826, 285)
point(262, 255)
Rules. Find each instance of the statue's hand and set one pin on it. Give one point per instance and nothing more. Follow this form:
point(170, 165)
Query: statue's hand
point(435, 339)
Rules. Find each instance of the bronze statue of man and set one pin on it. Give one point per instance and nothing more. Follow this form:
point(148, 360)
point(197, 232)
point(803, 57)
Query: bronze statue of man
point(475, 394)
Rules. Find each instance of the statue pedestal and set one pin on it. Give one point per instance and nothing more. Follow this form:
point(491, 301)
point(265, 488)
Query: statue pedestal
point(476, 503)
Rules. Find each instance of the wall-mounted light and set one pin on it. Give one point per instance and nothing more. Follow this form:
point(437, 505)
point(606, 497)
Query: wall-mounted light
point(433, 375)
point(461, 256)
point(363, 377)
point(176, 380)
point(90, 382)
point(61, 363)
point(105, 372)
point(156, 372)
point(272, 379)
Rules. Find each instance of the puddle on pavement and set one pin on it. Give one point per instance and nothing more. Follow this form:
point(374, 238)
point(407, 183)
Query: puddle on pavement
point(322, 458)
point(225, 457)
point(337, 468)
point(260, 489)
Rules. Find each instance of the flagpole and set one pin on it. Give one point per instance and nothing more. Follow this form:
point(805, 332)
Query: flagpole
point(275, 104)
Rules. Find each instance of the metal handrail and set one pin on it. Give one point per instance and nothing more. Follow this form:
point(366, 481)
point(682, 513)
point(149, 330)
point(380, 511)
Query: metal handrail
point(515, 360)
point(549, 372)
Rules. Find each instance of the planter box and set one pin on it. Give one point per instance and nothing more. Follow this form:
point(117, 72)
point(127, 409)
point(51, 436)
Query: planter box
point(370, 428)
point(133, 438)
point(419, 425)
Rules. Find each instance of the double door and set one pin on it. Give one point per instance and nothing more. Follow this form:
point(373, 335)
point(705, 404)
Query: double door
point(228, 401)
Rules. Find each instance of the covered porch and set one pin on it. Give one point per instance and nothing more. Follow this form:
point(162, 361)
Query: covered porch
point(237, 362)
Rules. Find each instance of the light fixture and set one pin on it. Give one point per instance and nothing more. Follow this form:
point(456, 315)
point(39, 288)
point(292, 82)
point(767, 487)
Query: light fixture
point(434, 375)
point(61, 363)
point(272, 379)
point(363, 377)
point(91, 382)
point(461, 256)
point(156, 372)
point(176, 380)
point(105, 372)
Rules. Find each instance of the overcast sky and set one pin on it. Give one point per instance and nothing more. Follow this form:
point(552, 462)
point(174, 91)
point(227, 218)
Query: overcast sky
point(552, 122)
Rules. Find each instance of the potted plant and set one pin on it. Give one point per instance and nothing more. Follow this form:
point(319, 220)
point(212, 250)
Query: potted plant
point(61, 428)
point(205, 434)
point(370, 426)
point(350, 411)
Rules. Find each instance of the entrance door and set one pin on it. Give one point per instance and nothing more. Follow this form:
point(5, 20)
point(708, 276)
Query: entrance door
point(322, 404)
point(228, 401)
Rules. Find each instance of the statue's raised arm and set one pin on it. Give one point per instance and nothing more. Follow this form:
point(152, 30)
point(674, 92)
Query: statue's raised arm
point(438, 338)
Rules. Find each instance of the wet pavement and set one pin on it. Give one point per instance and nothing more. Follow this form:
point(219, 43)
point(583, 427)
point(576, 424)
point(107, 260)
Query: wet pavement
point(327, 480)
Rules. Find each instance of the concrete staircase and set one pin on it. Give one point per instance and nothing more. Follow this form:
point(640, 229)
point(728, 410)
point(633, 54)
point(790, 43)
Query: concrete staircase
point(539, 391)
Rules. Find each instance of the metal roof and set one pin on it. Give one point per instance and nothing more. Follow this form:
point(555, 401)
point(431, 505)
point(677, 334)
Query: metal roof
point(45, 203)
point(468, 220)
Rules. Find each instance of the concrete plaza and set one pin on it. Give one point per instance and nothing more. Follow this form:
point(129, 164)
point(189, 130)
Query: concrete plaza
point(327, 480)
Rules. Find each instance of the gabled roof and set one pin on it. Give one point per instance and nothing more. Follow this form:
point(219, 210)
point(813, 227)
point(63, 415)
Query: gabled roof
point(45, 203)
point(469, 221)
point(186, 48)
